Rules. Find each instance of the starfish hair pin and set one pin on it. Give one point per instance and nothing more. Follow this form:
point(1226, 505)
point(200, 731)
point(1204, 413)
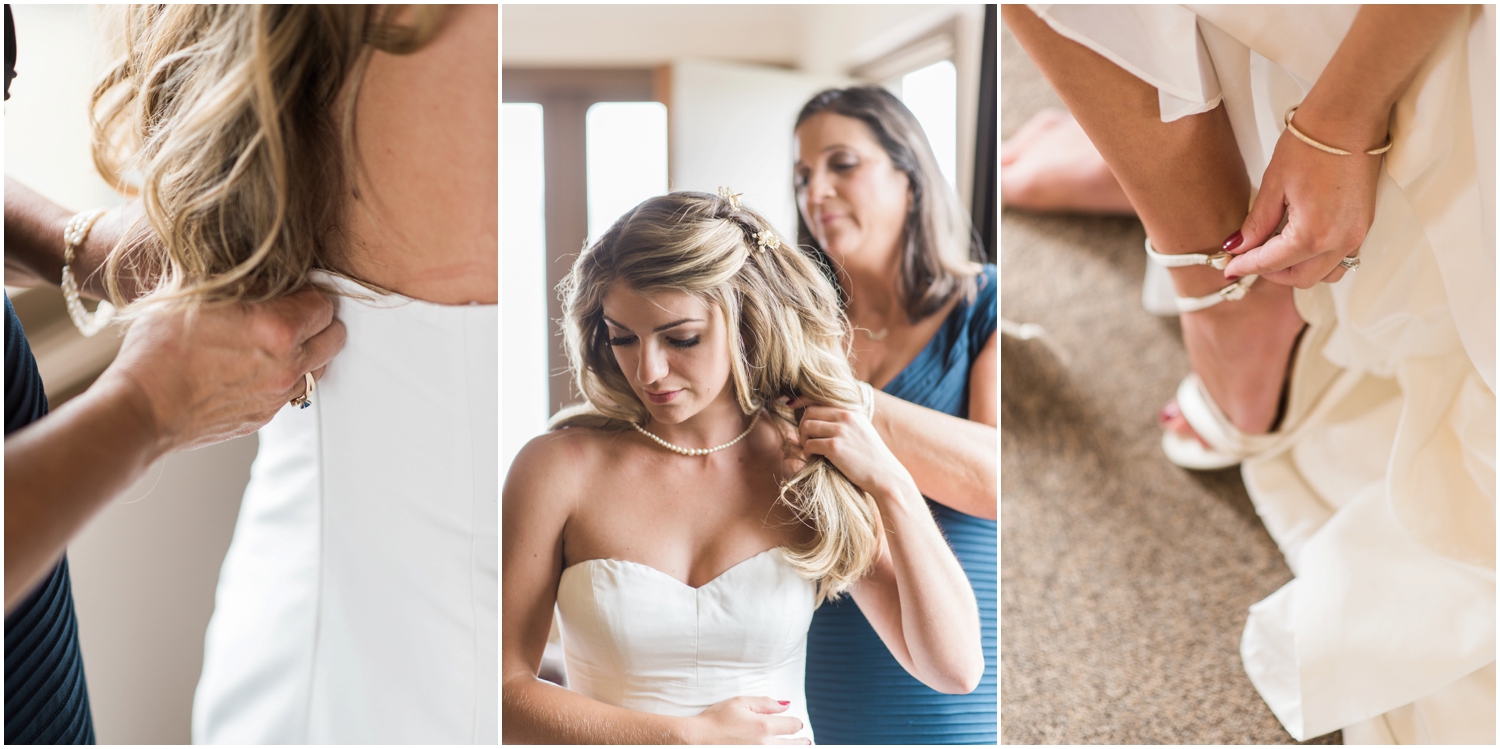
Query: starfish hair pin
point(731, 196)
point(767, 240)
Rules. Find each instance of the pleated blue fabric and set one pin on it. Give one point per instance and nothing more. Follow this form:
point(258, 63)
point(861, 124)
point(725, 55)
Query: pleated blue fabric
point(46, 695)
point(856, 691)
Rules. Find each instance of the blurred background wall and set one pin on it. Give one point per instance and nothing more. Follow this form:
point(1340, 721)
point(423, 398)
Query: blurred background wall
point(145, 568)
point(606, 105)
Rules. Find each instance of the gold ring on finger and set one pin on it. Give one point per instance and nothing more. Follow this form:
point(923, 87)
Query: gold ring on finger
point(1350, 263)
point(302, 401)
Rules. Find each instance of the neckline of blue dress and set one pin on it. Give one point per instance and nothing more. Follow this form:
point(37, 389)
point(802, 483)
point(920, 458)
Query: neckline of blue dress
point(955, 316)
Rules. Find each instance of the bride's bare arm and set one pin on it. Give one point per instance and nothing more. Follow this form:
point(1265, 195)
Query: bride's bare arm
point(537, 501)
point(917, 597)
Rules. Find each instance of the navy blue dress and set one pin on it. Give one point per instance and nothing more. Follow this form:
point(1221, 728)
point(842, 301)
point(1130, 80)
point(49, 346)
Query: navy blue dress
point(46, 697)
point(856, 691)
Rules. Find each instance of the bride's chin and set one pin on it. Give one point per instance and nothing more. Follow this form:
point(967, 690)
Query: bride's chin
point(669, 413)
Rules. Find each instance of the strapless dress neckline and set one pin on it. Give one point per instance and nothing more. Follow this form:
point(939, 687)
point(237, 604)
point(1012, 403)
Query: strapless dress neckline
point(638, 638)
point(649, 569)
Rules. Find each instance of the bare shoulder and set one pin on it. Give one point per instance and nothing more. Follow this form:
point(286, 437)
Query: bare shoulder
point(557, 467)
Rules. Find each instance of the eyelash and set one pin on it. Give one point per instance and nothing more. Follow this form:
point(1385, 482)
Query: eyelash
point(800, 181)
point(627, 340)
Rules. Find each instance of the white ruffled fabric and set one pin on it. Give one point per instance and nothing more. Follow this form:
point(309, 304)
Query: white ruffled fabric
point(1384, 506)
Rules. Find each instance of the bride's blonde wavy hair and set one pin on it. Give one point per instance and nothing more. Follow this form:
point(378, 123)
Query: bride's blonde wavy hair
point(786, 338)
point(235, 125)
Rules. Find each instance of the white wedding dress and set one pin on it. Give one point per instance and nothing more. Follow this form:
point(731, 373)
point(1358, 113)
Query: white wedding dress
point(358, 601)
point(1383, 503)
point(638, 638)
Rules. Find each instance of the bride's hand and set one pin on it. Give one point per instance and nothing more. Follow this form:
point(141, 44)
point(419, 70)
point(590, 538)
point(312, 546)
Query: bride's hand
point(746, 720)
point(850, 442)
point(1327, 199)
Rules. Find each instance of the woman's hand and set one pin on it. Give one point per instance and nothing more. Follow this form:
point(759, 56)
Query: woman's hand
point(224, 371)
point(1328, 202)
point(850, 442)
point(745, 720)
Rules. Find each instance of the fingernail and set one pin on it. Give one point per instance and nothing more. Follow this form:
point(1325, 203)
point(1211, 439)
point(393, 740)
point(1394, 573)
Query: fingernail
point(783, 702)
point(1233, 241)
point(1232, 278)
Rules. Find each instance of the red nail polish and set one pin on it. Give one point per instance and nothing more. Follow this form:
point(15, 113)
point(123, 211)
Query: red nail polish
point(1169, 412)
point(1232, 278)
point(1233, 241)
point(783, 702)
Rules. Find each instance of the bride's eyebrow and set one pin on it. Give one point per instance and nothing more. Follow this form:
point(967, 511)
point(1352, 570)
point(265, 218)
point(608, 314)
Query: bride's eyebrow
point(674, 324)
point(658, 328)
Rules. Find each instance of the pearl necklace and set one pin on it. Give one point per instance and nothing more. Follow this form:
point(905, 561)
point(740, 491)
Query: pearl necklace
point(697, 451)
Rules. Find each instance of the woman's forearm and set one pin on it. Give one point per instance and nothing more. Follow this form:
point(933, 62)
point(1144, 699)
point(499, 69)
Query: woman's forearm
point(538, 712)
point(62, 469)
point(952, 460)
point(1349, 107)
point(939, 615)
point(34, 243)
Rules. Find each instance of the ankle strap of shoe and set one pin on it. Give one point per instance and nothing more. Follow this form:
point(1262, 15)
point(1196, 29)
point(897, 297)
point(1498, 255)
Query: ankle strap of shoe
point(1217, 259)
point(1231, 293)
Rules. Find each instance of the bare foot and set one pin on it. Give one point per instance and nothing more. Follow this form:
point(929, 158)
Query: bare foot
point(1241, 351)
point(1051, 165)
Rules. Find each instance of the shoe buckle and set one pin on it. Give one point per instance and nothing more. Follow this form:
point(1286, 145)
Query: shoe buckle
point(1234, 292)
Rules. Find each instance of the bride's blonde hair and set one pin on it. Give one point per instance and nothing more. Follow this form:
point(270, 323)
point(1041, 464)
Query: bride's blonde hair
point(235, 124)
point(786, 338)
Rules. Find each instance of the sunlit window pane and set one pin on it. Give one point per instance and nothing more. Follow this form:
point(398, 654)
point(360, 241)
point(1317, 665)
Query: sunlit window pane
point(932, 95)
point(523, 252)
point(627, 158)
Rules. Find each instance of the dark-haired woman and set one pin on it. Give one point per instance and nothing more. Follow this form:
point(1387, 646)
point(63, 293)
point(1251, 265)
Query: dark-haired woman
point(871, 199)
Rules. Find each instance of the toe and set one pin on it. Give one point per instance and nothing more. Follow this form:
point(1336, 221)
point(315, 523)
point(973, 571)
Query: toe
point(1171, 419)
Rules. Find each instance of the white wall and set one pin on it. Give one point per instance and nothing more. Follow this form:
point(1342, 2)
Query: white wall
point(643, 36)
point(731, 125)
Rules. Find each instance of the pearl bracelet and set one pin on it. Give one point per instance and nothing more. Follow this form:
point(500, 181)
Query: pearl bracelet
point(74, 234)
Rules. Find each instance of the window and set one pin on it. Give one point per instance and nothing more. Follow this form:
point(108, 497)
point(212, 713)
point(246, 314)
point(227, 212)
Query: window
point(523, 371)
point(626, 156)
point(931, 93)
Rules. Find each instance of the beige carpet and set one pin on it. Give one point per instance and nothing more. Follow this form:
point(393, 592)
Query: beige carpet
point(1125, 580)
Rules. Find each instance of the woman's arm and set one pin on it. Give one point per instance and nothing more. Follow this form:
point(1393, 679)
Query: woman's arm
point(536, 506)
point(34, 242)
point(951, 459)
point(917, 597)
point(1330, 199)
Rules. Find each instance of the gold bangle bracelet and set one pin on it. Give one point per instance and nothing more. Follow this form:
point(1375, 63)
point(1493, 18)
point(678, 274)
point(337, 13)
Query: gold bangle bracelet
point(1327, 148)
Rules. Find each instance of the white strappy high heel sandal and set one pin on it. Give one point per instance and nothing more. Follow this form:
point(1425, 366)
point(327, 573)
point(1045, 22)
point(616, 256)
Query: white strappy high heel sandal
point(1220, 444)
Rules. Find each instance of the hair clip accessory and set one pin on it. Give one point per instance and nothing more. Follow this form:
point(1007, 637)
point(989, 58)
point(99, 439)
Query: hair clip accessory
point(731, 196)
point(767, 240)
